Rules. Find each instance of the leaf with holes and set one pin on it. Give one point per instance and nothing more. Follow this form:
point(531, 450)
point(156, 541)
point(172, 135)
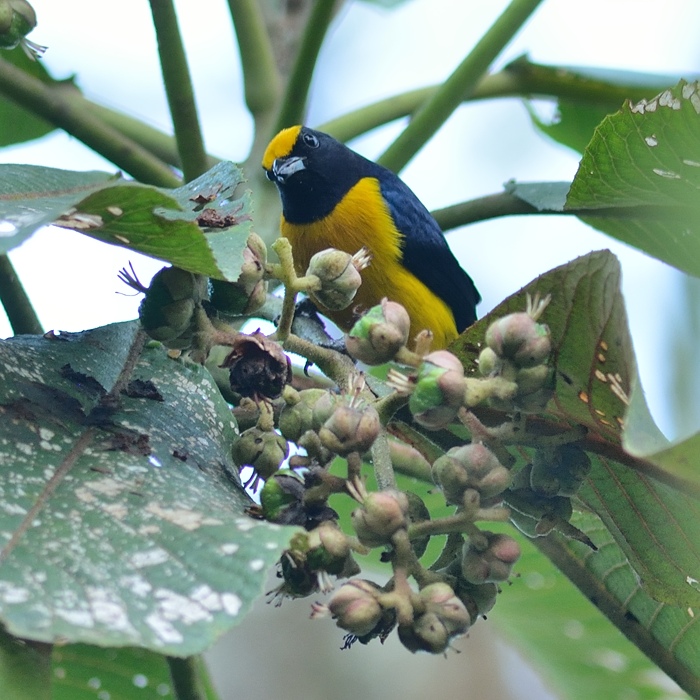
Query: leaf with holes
point(122, 519)
point(640, 175)
point(32, 196)
point(657, 526)
point(200, 227)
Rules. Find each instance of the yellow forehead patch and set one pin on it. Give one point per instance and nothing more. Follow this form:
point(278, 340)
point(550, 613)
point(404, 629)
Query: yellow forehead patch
point(280, 146)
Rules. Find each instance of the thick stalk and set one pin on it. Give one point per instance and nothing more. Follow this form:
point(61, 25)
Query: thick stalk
point(178, 88)
point(435, 112)
point(53, 106)
point(186, 678)
point(293, 106)
point(15, 301)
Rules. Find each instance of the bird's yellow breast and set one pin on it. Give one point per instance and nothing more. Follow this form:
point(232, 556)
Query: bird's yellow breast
point(362, 218)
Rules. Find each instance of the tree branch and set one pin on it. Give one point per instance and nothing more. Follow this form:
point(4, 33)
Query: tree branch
point(52, 105)
point(433, 114)
point(15, 301)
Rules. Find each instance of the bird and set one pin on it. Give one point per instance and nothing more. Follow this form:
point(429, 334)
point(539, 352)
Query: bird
point(332, 197)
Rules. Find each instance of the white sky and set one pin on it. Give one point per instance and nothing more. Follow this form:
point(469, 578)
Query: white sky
point(371, 53)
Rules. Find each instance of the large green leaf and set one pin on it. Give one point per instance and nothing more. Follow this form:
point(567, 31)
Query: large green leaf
point(122, 518)
point(83, 672)
point(202, 226)
point(32, 196)
point(572, 645)
point(639, 177)
point(25, 669)
point(657, 526)
point(16, 123)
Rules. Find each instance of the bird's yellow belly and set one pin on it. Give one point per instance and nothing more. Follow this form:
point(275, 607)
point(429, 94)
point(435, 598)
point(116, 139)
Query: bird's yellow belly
point(361, 220)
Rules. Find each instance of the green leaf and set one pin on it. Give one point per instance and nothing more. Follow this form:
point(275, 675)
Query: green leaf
point(122, 516)
point(17, 124)
point(25, 669)
point(168, 224)
point(657, 526)
point(82, 672)
point(639, 177)
point(32, 196)
point(544, 196)
point(585, 97)
point(573, 646)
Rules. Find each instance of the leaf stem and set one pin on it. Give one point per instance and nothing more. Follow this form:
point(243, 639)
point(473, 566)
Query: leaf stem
point(433, 113)
point(15, 301)
point(178, 88)
point(186, 677)
point(293, 106)
point(50, 104)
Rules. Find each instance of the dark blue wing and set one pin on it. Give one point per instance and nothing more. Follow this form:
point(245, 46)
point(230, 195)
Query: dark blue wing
point(425, 250)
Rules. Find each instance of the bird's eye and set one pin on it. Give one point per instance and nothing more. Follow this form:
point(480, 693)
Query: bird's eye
point(310, 140)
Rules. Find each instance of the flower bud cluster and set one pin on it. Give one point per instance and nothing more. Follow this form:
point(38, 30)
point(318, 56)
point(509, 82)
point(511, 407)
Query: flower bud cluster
point(518, 349)
point(489, 558)
point(168, 307)
point(471, 466)
point(439, 618)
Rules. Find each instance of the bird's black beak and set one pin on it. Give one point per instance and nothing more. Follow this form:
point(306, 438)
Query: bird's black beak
point(284, 168)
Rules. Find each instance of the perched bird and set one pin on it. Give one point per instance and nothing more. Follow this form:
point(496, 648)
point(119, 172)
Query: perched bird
point(333, 197)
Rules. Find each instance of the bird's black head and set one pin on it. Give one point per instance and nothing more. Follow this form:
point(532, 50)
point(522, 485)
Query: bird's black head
point(312, 171)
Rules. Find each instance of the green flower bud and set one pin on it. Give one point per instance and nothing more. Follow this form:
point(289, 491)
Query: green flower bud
point(249, 292)
point(339, 274)
point(489, 362)
point(471, 466)
point(381, 514)
point(493, 563)
point(280, 494)
point(323, 408)
point(439, 390)
point(295, 419)
point(167, 309)
point(17, 19)
point(350, 429)
point(355, 607)
point(518, 337)
point(379, 334)
point(264, 451)
point(329, 551)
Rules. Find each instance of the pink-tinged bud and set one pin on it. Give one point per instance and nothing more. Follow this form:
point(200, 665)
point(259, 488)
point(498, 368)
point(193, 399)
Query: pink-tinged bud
point(518, 337)
point(381, 514)
point(379, 334)
point(439, 390)
point(329, 551)
point(494, 563)
point(350, 429)
point(355, 607)
point(444, 618)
